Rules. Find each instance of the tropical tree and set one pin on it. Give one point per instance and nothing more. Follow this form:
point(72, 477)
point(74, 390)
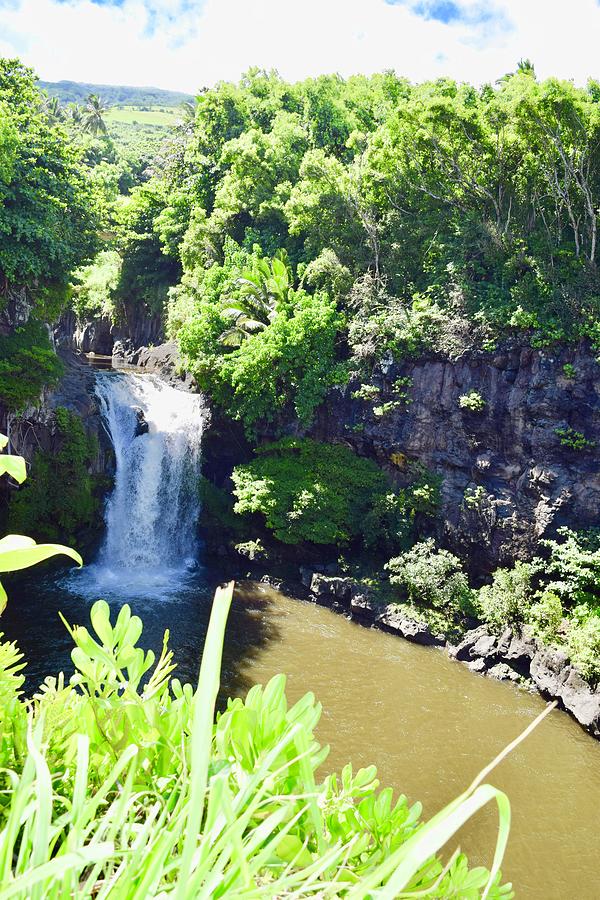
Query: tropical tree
point(262, 290)
point(75, 113)
point(53, 109)
point(95, 111)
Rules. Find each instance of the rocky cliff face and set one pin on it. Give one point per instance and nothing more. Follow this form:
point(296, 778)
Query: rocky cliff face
point(36, 428)
point(509, 474)
point(137, 329)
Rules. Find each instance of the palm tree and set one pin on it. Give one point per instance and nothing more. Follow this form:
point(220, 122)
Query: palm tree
point(75, 113)
point(53, 109)
point(263, 289)
point(95, 110)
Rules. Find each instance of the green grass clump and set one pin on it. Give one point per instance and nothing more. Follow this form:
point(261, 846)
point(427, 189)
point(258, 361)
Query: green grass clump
point(122, 783)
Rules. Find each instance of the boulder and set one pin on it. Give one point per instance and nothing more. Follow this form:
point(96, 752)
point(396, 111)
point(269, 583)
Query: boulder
point(362, 604)
point(141, 425)
point(477, 665)
point(581, 700)
point(397, 622)
point(306, 575)
point(484, 647)
point(463, 651)
point(330, 591)
point(549, 669)
point(521, 649)
point(503, 672)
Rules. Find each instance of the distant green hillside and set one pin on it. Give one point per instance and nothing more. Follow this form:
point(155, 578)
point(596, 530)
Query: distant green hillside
point(77, 92)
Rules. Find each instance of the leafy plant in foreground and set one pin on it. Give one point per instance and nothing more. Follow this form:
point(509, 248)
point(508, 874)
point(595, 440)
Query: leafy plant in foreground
point(128, 788)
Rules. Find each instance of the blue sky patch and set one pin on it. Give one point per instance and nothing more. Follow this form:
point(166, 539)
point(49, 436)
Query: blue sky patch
point(445, 11)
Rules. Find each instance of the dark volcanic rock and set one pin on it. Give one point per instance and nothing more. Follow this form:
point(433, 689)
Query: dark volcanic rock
point(397, 622)
point(330, 590)
point(549, 669)
point(163, 360)
point(362, 605)
point(141, 426)
point(508, 456)
point(503, 672)
point(464, 651)
point(583, 702)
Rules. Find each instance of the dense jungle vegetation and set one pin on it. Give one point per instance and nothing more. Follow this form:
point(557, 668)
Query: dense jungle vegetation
point(293, 236)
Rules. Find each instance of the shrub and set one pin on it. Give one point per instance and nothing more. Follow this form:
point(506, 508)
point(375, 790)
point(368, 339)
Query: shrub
point(583, 641)
point(283, 366)
point(546, 616)
point(366, 392)
point(507, 600)
point(431, 577)
point(289, 366)
point(569, 371)
point(574, 440)
point(309, 491)
point(386, 408)
point(27, 365)
point(93, 291)
point(473, 401)
point(395, 518)
point(572, 569)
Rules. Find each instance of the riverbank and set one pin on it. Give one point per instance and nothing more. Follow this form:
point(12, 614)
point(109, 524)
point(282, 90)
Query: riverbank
point(515, 655)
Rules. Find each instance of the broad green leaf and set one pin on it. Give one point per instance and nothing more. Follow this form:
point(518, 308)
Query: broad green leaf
point(19, 552)
point(13, 466)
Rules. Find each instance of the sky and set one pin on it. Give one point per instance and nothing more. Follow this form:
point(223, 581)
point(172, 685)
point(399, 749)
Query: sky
point(189, 44)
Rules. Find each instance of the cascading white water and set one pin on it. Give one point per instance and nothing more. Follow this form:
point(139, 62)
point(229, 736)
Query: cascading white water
point(152, 513)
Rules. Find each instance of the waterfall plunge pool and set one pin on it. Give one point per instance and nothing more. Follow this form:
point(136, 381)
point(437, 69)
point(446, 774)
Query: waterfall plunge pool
point(426, 722)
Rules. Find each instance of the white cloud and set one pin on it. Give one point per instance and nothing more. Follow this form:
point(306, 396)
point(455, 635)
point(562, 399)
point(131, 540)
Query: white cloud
point(185, 44)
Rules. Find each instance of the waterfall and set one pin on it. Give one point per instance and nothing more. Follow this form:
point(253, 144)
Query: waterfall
point(151, 515)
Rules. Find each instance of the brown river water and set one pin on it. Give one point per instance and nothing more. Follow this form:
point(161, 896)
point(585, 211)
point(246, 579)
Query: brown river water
point(430, 725)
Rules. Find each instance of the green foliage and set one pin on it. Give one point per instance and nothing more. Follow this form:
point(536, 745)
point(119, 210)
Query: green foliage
point(569, 371)
point(558, 596)
point(283, 358)
point(583, 641)
point(94, 286)
point(474, 497)
point(507, 600)
point(384, 409)
point(306, 491)
point(122, 781)
point(148, 268)
point(27, 365)
point(61, 497)
point(396, 518)
point(439, 216)
point(401, 388)
point(48, 220)
point(473, 401)
point(546, 617)
point(429, 577)
point(366, 392)
point(574, 440)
